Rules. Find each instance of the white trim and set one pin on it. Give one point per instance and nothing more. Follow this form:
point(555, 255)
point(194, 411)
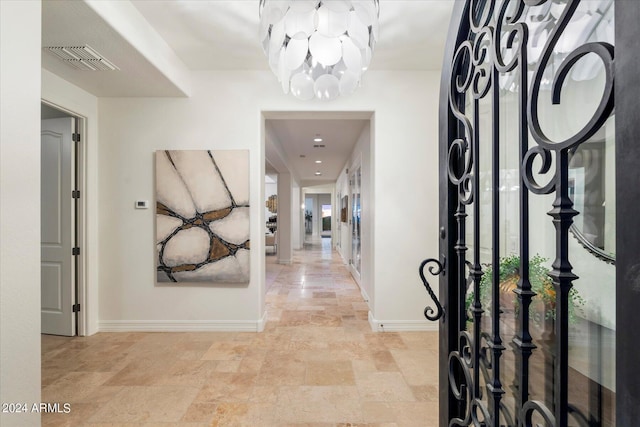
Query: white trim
point(355, 165)
point(401, 325)
point(131, 25)
point(365, 296)
point(80, 217)
point(262, 322)
point(182, 325)
point(285, 261)
point(354, 273)
point(62, 95)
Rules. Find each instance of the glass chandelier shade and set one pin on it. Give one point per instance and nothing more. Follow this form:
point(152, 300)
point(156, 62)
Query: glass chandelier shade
point(319, 48)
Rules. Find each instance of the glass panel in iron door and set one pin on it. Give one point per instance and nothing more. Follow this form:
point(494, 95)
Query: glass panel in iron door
point(530, 160)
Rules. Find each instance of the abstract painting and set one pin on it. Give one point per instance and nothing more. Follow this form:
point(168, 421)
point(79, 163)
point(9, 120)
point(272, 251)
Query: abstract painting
point(202, 216)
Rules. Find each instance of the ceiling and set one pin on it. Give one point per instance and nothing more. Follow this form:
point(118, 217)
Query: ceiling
point(296, 138)
point(77, 23)
point(156, 43)
point(223, 34)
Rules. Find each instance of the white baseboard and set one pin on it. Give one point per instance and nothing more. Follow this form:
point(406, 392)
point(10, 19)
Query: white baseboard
point(182, 325)
point(285, 261)
point(262, 322)
point(401, 325)
point(365, 296)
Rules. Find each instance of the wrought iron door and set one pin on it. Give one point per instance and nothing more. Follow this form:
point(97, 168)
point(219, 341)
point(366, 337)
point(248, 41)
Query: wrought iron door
point(528, 246)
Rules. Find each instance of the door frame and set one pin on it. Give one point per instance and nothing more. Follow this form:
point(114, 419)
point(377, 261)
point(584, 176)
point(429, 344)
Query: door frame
point(448, 336)
point(626, 64)
point(80, 291)
point(353, 167)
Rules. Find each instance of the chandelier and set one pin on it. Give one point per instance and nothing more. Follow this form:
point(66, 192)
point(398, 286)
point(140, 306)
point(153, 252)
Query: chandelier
point(319, 48)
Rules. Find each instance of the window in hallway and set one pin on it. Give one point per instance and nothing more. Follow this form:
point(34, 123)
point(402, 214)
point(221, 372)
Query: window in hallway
point(326, 219)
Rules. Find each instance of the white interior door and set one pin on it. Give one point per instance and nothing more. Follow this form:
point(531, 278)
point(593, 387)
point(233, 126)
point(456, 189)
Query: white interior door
point(57, 231)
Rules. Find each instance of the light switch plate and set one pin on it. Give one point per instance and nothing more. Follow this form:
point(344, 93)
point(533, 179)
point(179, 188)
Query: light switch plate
point(142, 204)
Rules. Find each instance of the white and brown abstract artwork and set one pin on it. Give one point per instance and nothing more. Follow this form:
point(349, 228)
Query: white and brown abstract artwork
point(202, 216)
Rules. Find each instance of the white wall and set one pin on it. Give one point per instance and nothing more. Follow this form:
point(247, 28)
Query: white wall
point(285, 221)
point(20, 208)
point(404, 202)
point(63, 94)
point(224, 113)
point(131, 130)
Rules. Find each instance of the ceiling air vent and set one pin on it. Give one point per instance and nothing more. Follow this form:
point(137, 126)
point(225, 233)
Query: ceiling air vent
point(82, 58)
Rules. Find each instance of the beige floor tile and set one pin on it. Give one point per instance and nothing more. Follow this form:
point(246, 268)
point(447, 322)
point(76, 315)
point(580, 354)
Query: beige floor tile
point(226, 351)
point(318, 404)
point(412, 365)
point(317, 364)
point(364, 366)
point(329, 373)
point(52, 375)
point(264, 394)
point(425, 393)
point(416, 414)
point(147, 404)
point(74, 387)
point(229, 366)
point(243, 414)
point(188, 373)
point(384, 361)
point(152, 424)
point(378, 412)
point(200, 412)
point(227, 387)
point(102, 394)
point(383, 387)
point(79, 413)
point(282, 370)
point(142, 371)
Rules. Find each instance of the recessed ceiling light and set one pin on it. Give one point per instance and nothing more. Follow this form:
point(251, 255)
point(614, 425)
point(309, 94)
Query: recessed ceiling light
point(317, 139)
point(318, 161)
point(318, 173)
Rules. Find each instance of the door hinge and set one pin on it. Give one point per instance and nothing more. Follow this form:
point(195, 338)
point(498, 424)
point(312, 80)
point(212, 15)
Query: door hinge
point(76, 308)
point(75, 251)
point(75, 137)
point(75, 194)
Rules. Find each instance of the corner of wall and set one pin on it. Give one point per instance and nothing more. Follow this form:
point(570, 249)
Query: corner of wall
point(401, 325)
point(20, 352)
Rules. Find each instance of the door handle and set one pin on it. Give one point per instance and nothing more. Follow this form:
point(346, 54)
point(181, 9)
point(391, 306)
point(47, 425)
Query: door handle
point(435, 269)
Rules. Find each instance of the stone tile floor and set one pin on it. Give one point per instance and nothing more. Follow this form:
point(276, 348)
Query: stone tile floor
point(317, 364)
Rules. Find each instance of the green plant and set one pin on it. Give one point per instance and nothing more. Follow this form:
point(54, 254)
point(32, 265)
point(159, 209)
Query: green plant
point(541, 284)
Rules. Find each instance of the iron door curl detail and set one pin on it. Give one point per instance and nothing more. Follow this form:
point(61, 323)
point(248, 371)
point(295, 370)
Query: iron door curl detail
point(435, 269)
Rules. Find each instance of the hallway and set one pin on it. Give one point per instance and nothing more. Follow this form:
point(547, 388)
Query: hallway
point(317, 364)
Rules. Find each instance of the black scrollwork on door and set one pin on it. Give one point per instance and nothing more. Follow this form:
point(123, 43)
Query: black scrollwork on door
point(496, 55)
